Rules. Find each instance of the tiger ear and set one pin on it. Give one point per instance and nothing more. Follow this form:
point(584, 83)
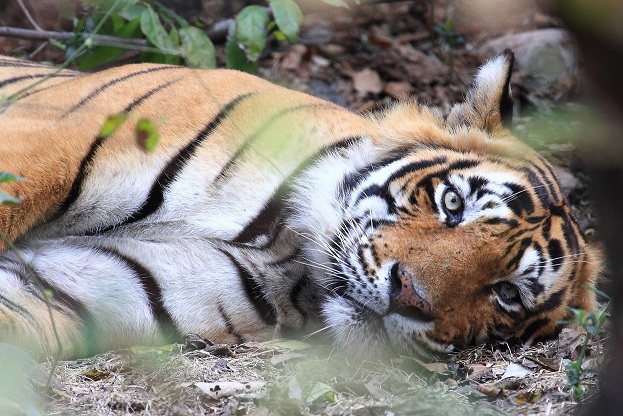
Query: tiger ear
point(489, 101)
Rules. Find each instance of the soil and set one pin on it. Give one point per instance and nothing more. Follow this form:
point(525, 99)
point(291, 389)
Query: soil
point(364, 58)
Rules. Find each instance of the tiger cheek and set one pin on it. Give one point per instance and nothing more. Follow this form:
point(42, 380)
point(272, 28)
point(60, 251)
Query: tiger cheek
point(452, 267)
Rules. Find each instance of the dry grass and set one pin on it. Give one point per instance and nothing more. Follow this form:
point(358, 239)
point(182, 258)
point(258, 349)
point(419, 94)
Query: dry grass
point(280, 378)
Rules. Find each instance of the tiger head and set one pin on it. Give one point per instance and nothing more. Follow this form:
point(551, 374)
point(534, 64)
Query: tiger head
point(458, 235)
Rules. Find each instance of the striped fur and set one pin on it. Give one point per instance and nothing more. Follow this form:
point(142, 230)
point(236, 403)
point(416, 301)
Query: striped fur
point(264, 209)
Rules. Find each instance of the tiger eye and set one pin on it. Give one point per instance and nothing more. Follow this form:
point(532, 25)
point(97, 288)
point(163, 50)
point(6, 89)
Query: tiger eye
point(452, 201)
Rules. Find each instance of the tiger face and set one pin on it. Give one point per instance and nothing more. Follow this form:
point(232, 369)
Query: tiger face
point(464, 239)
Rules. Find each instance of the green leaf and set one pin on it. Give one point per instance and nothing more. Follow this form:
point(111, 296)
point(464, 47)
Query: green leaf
point(147, 135)
point(9, 177)
point(132, 12)
point(288, 16)
point(197, 47)
point(234, 56)
point(169, 14)
point(154, 31)
point(251, 25)
point(176, 59)
point(111, 124)
point(6, 199)
point(101, 55)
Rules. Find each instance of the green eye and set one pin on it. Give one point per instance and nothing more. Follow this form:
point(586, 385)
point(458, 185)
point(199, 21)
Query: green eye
point(507, 291)
point(452, 201)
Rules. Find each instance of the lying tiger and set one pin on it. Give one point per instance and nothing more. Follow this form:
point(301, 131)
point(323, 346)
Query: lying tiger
point(263, 210)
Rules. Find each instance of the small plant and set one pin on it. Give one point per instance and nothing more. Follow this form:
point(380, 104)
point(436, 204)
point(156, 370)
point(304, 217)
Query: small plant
point(591, 323)
point(171, 39)
point(451, 40)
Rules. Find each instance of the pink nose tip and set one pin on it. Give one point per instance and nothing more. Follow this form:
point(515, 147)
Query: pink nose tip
point(404, 297)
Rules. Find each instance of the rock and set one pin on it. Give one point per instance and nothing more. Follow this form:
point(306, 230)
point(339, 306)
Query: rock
point(568, 182)
point(546, 57)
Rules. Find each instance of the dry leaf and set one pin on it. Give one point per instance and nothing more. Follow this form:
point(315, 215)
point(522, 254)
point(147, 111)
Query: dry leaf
point(230, 388)
point(398, 90)
point(286, 356)
point(491, 391)
point(516, 370)
point(367, 81)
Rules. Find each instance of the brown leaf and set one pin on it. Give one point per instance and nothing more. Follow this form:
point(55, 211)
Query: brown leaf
point(95, 375)
point(491, 391)
point(398, 90)
point(293, 59)
point(570, 341)
point(367, 81)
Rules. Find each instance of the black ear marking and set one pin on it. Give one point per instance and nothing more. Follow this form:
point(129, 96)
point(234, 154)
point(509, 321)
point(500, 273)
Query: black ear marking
point(506, 98)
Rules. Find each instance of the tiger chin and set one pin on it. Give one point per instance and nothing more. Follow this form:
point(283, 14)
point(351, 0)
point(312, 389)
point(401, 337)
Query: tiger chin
point(263, 210)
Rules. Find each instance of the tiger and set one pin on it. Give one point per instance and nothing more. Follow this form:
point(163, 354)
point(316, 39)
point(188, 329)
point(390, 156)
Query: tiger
point(263, 212)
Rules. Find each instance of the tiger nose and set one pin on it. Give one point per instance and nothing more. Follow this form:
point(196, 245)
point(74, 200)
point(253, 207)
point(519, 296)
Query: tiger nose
point(404, 299)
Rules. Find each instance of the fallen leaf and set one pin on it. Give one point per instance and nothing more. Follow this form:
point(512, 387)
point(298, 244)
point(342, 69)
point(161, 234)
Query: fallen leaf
point(398, 90)
point(516, 370)
point(95, 375)
point(439, 368)
point(159, 350)
point(320, 391)
point(529, 396)
point(570, 341)
point(286, 356)
point(289, 344)
point(376, 391)
point(490, 391)
point(295, 391)
point(367, 81)
point(230, 388)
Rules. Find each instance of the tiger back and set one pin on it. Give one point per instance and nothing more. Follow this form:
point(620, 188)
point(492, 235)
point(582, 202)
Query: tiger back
point(262, 210)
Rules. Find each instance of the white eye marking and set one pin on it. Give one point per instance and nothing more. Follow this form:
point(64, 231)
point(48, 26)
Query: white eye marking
point(452, 201)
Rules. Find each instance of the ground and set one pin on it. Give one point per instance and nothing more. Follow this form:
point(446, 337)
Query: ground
point(364, 58)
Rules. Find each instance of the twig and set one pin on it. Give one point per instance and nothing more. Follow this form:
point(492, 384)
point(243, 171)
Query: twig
point(32, 21)
point(103, 40)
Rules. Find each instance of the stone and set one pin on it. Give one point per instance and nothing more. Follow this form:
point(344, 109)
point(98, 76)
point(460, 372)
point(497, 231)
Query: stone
point(545, 57)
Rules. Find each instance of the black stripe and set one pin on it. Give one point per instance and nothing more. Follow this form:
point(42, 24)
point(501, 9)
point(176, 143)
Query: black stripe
point(15, 308)
point(382, 191)
point(554, 249)
point(76, 185)
point(254, 292)
point(248, 142)
point(112, 82)
point(533, 328)
point(294, 297)
point(525, 243)
point(153, 291)
point(148, 94)
point(554, 189)
point(172, 169)
point(538, 187)
point(13, 80)
point(268, 216)
point(228, 324)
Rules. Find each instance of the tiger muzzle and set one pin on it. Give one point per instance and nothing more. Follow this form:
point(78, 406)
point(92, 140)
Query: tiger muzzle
point(404, 299)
